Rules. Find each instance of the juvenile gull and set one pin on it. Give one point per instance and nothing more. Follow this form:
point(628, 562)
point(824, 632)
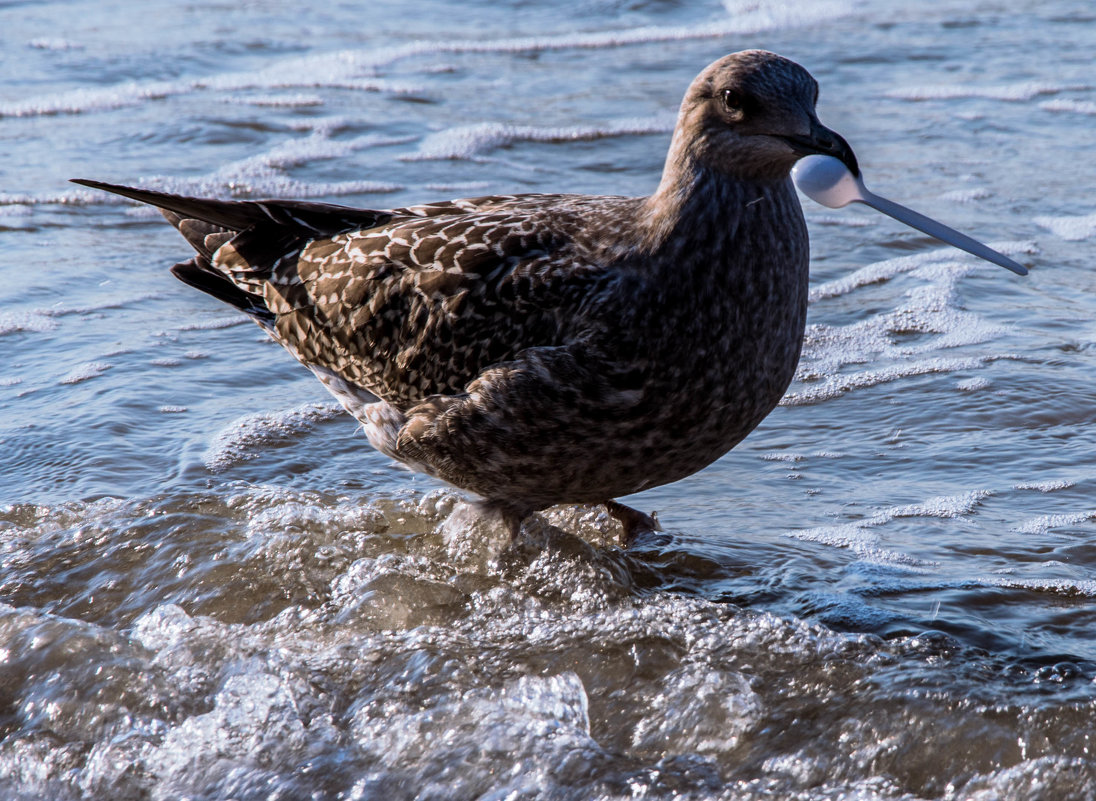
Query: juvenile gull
point(546, 349)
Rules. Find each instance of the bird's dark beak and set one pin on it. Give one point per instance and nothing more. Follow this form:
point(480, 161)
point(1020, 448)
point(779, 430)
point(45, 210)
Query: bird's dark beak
point(826, 142)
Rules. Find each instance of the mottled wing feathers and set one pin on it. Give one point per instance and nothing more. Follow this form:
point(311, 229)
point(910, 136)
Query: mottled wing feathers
point(404, 303)
point(423, 304)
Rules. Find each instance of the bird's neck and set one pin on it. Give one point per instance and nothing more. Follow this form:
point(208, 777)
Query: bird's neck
point(694, 203)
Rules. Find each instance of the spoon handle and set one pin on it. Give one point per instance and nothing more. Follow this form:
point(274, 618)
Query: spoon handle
point(940, 231)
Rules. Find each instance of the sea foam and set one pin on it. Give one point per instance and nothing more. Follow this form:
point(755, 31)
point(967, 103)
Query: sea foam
point(355, 69)
point(246, 438)
point(469, 141)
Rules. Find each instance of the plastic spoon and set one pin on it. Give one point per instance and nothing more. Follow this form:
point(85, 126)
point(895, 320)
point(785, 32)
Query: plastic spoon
point(828, 181)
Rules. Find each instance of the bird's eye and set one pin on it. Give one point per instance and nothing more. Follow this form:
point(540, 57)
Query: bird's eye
point(733, 101)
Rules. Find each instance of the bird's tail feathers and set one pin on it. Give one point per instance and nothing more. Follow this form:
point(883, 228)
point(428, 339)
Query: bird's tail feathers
point(200, 274)
point(309, 218)
point(261, 233)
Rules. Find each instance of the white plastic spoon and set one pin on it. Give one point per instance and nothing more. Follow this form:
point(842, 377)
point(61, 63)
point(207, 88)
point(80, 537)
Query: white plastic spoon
point(828, 181)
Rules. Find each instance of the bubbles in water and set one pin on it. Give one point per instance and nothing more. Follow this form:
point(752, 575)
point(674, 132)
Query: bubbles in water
point(470, 141)
point(248, 437)
point(85, 372)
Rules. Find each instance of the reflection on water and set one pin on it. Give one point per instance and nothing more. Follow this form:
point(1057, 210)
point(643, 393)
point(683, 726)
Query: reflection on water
point(211, 587)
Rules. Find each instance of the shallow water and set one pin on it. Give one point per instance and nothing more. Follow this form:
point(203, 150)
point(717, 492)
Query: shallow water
point(211, 587)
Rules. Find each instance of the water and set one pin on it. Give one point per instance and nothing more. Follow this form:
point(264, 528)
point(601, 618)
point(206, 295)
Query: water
point(211, 587)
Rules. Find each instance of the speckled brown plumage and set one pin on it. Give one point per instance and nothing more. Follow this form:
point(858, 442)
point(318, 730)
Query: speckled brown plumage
point(544, 349)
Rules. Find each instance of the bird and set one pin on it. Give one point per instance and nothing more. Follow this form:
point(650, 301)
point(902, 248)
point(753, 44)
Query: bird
point(545, 349)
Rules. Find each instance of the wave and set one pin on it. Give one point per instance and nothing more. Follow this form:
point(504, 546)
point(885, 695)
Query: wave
point(246, 438)
point(1014, 92)
point(1044, 523)
point(1046, 486)
point(902, 342)
point(882, 271)
point(1068, 227)
point(29, 321)
point(345, 69)
point(85, 372)
point(1067, 105)
point(858, 537)
point(470, 141)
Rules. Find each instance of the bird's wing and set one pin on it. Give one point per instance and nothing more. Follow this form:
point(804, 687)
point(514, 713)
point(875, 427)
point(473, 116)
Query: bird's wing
point(423, 303)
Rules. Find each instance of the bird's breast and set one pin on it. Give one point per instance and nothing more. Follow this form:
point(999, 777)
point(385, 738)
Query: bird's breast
point(718, 330)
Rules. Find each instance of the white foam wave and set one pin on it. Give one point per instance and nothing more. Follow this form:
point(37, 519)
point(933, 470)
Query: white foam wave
point(354, 69)
point(317, 146)
point(253, 186)
point(944, 506)
point(40, 320)
point(280, 101)
point(900, 343)
point(783, 457)
point(838, 385)
point(972, 384)
point(54, 43)
point(966, 195)
point(214, 324)
point(69, 197)
point(83, 100)
point(846, 220)
point(245, 438)
point(265, 174)
point(32, 321)
point(459, 187)
point(882, 271)
point(468, 141)
point(875, 273)
point(858, 536)
point(746, 19)
point(99, 99)
point(883, 578)
point(1067, 105)
point(1045, 486)
point(1016, 92)
point(1070, 228)
point(1068, 587)
point(1044, 523)
point(17, 216)
point(273, 510)
point(85, 372)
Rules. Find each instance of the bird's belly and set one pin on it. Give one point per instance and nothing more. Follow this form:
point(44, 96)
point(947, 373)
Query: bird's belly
point(692, 433)
point(674, 431)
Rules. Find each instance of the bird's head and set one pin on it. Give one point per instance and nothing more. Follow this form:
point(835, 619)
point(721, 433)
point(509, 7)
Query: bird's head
point(751, 115)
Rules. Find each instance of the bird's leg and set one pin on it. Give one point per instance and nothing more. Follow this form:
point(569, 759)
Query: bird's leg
point(633, 520)
point(512, 516)
point(513, 524)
